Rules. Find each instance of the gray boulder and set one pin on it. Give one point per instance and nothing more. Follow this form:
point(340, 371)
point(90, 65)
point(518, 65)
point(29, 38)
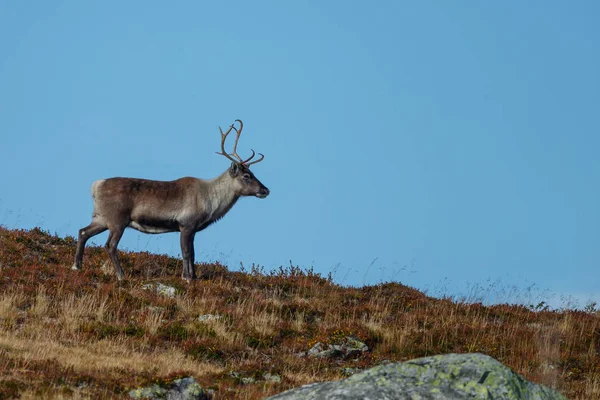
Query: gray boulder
point(179, 389)
point(443, 377)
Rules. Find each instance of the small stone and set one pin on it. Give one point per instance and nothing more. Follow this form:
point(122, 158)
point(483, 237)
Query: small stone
point(161, 289)
point(350, 347)
point(179, 389)
point(151, 392)
point(240, 378)
point(269, 377)
point(353, 344)
point(316, 349)
point(209, 317)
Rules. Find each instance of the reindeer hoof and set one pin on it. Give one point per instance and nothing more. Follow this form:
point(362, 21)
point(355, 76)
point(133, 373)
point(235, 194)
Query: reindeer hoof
point(188, 279)
point(75, 268)
point(120, 274)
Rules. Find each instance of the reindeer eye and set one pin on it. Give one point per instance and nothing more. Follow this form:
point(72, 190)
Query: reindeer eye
point(246, 177)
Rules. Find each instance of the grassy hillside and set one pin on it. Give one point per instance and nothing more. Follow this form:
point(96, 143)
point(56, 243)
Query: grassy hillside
point(70, 334)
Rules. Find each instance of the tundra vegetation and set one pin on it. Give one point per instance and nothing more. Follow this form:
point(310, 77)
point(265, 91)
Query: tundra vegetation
point(66, 334)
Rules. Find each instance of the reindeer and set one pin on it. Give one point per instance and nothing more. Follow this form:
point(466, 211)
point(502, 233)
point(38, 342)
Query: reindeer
point(187, 205)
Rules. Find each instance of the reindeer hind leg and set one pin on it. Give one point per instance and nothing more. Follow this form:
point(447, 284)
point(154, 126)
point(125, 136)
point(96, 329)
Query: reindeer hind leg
point(93, 229)
point(111, 248)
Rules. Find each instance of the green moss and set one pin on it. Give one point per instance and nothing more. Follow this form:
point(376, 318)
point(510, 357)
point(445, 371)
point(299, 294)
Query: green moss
point(172, 332)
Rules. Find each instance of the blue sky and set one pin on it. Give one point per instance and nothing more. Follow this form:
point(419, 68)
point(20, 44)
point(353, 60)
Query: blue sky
point(438, 145)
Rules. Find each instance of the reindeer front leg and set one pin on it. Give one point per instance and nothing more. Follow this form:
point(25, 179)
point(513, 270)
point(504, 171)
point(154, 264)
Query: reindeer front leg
point(187, 251)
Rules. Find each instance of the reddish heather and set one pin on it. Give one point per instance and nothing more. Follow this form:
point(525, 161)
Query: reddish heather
point(83, 334)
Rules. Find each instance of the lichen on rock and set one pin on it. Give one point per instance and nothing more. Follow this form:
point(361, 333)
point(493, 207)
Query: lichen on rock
point(443, 377)
point(179, 389)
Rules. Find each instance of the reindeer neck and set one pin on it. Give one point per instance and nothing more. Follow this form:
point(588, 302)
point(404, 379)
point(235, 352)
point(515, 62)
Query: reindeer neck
point(222, 195)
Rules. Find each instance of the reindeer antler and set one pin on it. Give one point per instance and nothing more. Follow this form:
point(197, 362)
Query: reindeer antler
point(247, 164)
point(223, 137)
point(237, 159)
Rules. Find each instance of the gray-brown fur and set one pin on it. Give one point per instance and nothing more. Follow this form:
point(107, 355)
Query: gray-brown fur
point(185, 205)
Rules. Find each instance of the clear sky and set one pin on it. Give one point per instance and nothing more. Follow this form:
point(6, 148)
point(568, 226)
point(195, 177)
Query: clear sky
point(437, 145)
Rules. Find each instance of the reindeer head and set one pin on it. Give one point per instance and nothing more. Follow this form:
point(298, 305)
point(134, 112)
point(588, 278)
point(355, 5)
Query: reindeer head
point(246, 183)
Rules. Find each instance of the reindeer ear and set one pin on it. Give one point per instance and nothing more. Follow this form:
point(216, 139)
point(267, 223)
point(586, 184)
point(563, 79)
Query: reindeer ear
point(234, 169)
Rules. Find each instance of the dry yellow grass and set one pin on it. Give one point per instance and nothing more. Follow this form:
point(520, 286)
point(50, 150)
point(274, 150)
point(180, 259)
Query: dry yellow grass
point(83, 335)
point(103, 355)
point(9, 306)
